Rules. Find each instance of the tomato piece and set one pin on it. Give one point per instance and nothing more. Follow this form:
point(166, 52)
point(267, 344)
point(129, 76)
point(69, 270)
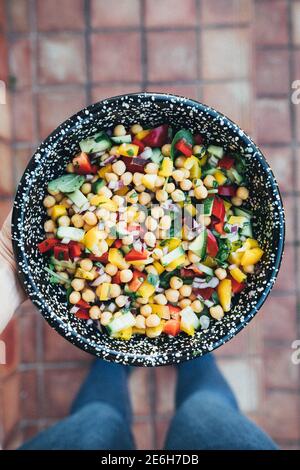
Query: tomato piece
point(61, 252)
point(116, 279)
point(75, 249)
point(82, 164)
point(227, 191)
point(83, 304)
point(189, 273)
point(226, 162)
point(136, 281)
point(157, 137)
point(172, 327)
point(135, 255)
point(184, 147)
point(236, 286)
point(47, 245)
point(102, 259)
point(212, 244)
point(139, 143)
point(218, 209)
point(82, 314)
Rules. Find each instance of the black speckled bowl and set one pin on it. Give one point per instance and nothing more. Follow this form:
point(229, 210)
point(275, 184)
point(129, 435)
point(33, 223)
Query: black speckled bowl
point(49, 161)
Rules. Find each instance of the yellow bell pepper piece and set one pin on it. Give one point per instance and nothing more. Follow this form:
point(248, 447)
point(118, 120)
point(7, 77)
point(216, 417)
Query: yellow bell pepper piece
point(251, 256)
point(237, 220)
point(82, 274)
point(57, 211)
point(159, 267)
point(203, 160)
point(161, 310)
point(116, 258)
point(141, 262)
point(138, 331)
point(155, 330)
point(141, 135)
point(177, 262)
point(125, 334)
point(237, 274)
point(188, 329)
point(91, 241)
point(173, 243)
point(235, 257)
point(227, 205)
point(220, 177)
point(166, 168)
point(224, 291)
point(128, 150)
point(122, 191)
point(103, 291)
point(104, 170)
point(104, 202)
point(190, 162)
point(149, 181)
point(250, 243)
point(110, 241)
point(146, 290)
point(209, 261)
point(195, 171)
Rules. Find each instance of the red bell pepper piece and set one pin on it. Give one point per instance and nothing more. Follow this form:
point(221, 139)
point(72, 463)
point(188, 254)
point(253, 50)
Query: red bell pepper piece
point(75, 249)
point(102, 259)
point(218, 209)
point(219, 227)
point(136, 281)
point(172, 327)
point(118, 243)
point(47, 245)
point(83, 304)
point(135, 255)
point(157, 137)
point(227, 191)
point(61, 252)
point(205, 293)
point(236, 286)
point(134, 164)
point(116, 279)
point(82, 164)
point(198, 139)
point(226, 162)
point(184, 147)
point(173, 310)
point(212, 244)
point(189, 273)
point(82, 314)
point(139, 143)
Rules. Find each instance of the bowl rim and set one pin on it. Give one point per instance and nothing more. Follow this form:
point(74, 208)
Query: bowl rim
point(76, 338)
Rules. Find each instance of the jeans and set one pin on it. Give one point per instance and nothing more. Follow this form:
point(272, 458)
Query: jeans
point(206, 417)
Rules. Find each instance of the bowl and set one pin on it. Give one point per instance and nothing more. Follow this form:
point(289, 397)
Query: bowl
point(49, 161)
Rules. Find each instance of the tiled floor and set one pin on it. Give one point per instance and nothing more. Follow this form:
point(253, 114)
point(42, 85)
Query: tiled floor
point(240, 56)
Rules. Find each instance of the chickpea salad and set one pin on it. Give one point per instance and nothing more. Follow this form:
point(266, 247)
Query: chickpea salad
point(149, 231)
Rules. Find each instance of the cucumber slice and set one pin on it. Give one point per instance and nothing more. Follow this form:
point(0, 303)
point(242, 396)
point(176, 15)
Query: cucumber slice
point(205, 269)
point(169, 257)
point(246, 231)
point(234, 176)
point(125, 321)
point(156, 156)
point(189, 318)
point(213, 160)
point(63, 263)
point(198, 246)
point(66, 183)
point(122, 139)
point(96, 143)
point(78, 198)
point(97, 185)
point(75, 234)
point(216, 151)
point(242, 212)
point(207, 206)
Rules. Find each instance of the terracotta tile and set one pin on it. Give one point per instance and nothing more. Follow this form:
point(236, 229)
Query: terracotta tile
point(101, 92)
point(126, 13)
point(296, 64)
point(172, 56)
point(6, 118)
point(61, 59)
point(10, 339)
point(278, 318)
point(247, 341)
point(61, 387)
point(298, 168)
point(56, 106)
point(166, 13)
point(161, 429)
point(139, 391)
point(188, 91)
point(219, 47)
point(29, 395)
point(58, 349)
point(11, 403)
point(296, 22)
point(165, 382)
point(143, 435)
point(29, 319)
point(286, 278)
point(272, 75)
point(226, 11)
point(232, 99)
point(281, 413)
point(19, 15)
point(271, 22)
point(116, 57)
point(280, 160)
point(298, 119)
point(6, 176)
point(23, 115)
point(20, 62)
point(5, 207)
point(280, 372)
point(273, 121)
point(21, 158)
point(4, 74)
point(70, 17)
point(3, 19)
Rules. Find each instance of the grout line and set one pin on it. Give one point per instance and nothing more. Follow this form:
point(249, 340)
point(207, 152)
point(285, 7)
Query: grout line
point(87, 41)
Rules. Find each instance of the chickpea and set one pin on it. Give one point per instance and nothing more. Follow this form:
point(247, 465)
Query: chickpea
point(161, 195)
point(177, 195)
point(179, 162)
point(119, 167)
point(126, 275)
point(140, 188)
point(197, 149)
point(95, 312)
point(249, 269)
point(103, 246)
point(49, 226)
point(146, 310)
point(152, 321)
point(160, 299)
point(200, 192)
point(115, 290)
point(151, 168)
point(106, 278)
point(86, 264)
point(114, 150)
point(111, 269)
point(170, 187)
point(186, 173)
point(242, 193)
point(176, 282)
point(150, 239)
point(105, 318)
point(172, 295)
point(65, 276)
point(216, 312)
point(119, 130)
point(78, 284)
point(144, 198)
point(151, 269)
point(58, 197)
point(66, 202)
point(141, 216)
point(197, 306)
point(160, 181)
point(221, 273)
point(88, 295)
point(102, 214)
point(137, 179)
point(86, 188)
point(64, 221)
point(111, 177)
point(151, 223)
point(193, 258)
point(127, 240)
point(121, 300)
point(140, 322)
point(74, 297)
point(185, 290)
point(184, 303)
point(126, 178)
point(49, 201)
point(119, 200)
point(186, 185)
point(70, 168)
point(178, 175)
point(50, 211)
point(105, 191)
point(207, 220)
point(141, 300)
point(166, 150)
point(157, 212)
point(136, 128)
point(165, 222)
point(209, 181)
point(90, 196)
point(236, 201)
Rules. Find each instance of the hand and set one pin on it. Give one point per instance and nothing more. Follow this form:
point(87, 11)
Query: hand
point(11, 293)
